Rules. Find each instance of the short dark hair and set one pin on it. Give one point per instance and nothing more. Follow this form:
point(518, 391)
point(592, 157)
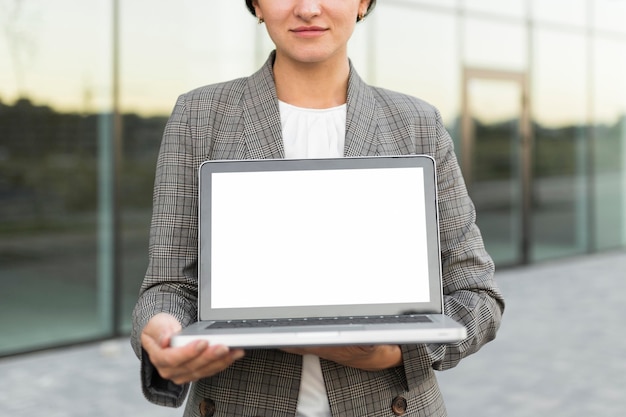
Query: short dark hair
point(251, 7)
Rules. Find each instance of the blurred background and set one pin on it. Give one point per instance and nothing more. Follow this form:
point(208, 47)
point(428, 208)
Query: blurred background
point(532, 91)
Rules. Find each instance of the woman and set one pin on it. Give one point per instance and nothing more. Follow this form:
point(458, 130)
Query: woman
point(306, 101)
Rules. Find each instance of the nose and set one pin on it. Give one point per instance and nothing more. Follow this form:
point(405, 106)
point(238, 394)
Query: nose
point(307, 9)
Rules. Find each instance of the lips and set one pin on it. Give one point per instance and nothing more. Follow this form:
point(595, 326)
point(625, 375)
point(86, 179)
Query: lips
point(309, 31)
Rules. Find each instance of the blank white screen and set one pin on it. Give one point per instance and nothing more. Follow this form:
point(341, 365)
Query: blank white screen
point(327, 237)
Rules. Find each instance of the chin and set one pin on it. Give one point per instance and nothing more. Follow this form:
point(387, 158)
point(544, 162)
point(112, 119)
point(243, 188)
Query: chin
point(312, 57)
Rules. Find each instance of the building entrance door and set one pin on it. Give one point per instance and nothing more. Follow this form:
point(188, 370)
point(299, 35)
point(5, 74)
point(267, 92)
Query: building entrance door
point(496, 158)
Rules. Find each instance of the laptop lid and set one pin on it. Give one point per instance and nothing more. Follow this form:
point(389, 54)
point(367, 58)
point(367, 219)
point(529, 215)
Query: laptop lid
point(318, 237)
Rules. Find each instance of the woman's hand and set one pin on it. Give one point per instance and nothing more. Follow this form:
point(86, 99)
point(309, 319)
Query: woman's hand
point(187, 363)
point(367, 358)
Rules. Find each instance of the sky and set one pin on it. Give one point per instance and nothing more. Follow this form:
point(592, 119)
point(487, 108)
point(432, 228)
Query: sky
point(171, 46)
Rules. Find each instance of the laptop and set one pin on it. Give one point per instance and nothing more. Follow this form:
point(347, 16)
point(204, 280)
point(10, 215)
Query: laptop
point(319, 252)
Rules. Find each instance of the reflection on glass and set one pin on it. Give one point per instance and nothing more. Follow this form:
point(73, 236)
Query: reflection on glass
point(428, 70)
point(48, 242)
point(559, 78)
point(493, 44)
point(43, 59)
point(495, 173)
point(509, 8)
point(609, 15)
point(570, 12)
point(560, 196)
point(438, 3)
point(609, 150)
point(169, 49)
point(49, 119)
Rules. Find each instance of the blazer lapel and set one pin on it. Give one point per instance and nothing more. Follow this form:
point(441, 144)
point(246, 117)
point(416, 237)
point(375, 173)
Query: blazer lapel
point(369, 130)
point(262, 132)
point(361, 125)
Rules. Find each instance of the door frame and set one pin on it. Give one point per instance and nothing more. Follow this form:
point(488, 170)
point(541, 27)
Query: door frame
point(526, 141)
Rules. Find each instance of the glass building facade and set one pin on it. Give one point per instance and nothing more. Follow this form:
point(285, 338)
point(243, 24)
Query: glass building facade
point(532, 92)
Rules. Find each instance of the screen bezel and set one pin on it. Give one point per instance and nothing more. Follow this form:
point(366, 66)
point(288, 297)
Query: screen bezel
point(207, 168)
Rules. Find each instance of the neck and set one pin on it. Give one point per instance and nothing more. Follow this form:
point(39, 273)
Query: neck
point(312, 85)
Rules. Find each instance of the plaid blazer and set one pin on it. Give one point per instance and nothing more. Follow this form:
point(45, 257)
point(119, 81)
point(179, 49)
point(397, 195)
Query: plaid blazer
point(240, 119)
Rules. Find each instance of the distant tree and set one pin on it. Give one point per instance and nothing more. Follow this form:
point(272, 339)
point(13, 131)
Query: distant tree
point(16, 22)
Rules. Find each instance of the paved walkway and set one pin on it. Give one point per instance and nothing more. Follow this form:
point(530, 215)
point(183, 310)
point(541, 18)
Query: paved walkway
point(560, 353)
point(561, 350)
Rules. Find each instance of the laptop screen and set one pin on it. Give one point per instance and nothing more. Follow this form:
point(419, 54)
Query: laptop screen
point(318, 237)
point(284, 239)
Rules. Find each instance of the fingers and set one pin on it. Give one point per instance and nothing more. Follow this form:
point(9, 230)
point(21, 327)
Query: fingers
point(330, 351)
point(300, 351)
point(339, 354)
point(187, 363)
point(369, 358)
point(214, 360)
point(191, 362)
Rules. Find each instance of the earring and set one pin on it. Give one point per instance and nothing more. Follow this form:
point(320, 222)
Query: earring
point(360, 17)
point(260, 20)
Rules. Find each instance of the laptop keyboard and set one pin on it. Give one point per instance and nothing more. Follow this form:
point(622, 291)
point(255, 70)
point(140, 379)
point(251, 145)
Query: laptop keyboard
point(316, 321)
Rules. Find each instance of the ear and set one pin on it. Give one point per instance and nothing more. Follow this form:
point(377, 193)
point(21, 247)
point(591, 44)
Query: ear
point(363, 7)
point(255, 4)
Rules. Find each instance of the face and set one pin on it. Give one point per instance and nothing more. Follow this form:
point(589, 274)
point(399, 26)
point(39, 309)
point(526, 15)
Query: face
point(310, 31)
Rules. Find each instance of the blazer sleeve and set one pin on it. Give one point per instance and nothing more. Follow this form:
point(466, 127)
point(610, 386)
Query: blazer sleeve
point(170, 284)
point(470, 293)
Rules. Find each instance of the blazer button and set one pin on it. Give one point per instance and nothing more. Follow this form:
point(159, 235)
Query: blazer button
point(207, 407)
point(398, 406)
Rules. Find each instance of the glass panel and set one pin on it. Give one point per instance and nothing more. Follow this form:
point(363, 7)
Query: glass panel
point(560, 198)
point(610, 143)
point(513, 8)
point(609, 15)
point(428, 70)
point(54, 98)
point(496, 183)
point(570, 12)
point(438, 3)
point(492, 44)
point(169, 49)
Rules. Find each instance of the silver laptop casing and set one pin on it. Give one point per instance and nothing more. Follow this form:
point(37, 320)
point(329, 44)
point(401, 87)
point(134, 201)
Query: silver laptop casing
point(440, 329)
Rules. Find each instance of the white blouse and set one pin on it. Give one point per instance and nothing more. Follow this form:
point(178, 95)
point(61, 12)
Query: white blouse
point(313, 133)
